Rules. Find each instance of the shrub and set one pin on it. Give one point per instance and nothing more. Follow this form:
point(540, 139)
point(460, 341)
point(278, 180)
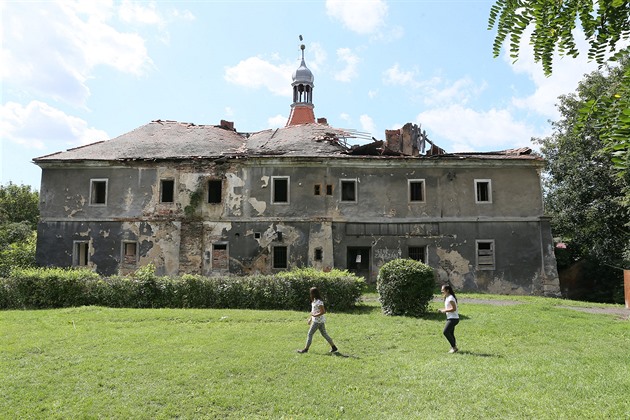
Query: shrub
point(54, 288)
point(405, 287)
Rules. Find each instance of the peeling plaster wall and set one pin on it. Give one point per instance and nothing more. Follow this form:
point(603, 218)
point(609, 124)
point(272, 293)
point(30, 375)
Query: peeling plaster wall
point(382, 224)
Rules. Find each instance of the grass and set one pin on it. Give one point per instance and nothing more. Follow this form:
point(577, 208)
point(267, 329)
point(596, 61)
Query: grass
point(531, 360)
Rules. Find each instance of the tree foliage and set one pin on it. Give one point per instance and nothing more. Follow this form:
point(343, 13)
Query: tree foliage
point(18, 204)
point(583, 193)
point(606, 27)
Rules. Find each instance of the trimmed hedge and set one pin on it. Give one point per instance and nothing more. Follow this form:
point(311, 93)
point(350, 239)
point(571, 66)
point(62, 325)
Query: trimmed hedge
point(405, 287)
point(41, 288)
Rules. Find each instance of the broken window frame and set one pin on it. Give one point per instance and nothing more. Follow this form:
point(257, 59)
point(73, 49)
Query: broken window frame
point(80, 253)
point(164, 191)
point(124, 255)
point(483, 191)
point(411, 183)
point(274, 179)
point(355, 192)
point(418, 253)
point(95, 191)
point(212, 194)
point(280, 262)
point(485, 254)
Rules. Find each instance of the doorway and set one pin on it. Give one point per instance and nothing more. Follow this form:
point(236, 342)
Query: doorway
point(358, 261)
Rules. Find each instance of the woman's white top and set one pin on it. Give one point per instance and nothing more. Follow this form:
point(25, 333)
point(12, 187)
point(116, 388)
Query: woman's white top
point(315, 309)
point(454, 314)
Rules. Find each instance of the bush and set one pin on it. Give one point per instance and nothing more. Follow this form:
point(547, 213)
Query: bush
point(54, 288)
point(405, 287)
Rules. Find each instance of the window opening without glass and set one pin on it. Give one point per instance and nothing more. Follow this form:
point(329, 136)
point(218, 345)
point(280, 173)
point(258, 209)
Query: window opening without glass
point(280, 190)
point(417, 253)
point(416, 190)
point(483, 192)
point(80, 255)
point(349, 190)
point(167, 190)
point(98, 191)
point(215, 191)
point(280, 257)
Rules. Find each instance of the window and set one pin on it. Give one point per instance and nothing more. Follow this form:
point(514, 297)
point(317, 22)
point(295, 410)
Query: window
point(416, 190)
point(485, 254)
point(80, 253)
point(329, 189)
point(319, 254)
point(220, 256)
point(483, 191)
point(280, 257)
point(280, 190)
point(418, 253)
point(98, 191)
point(130, 253)
point(215, 191)
point(349, 190)
point(317, 189)
point(167, 190)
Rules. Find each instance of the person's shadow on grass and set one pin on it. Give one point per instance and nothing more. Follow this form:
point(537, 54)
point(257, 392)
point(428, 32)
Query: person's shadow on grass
point(472, 353)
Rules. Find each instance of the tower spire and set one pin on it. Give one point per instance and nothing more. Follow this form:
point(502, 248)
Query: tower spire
point(302, 106)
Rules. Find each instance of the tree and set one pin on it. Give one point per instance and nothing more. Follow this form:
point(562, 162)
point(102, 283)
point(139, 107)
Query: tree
point(583, 193)
point(18, 203)
point(606, 26)
point(19, 214)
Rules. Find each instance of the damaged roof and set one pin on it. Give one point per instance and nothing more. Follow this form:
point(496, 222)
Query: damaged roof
point(172, 140)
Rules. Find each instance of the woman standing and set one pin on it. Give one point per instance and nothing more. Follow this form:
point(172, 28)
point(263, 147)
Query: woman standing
point(452, 316)
point(317, 321)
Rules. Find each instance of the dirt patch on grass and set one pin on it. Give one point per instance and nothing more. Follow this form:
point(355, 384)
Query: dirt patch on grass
point(622, 313)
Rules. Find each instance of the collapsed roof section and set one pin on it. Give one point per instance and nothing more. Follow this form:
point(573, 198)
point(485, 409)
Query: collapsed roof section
point(172, 140)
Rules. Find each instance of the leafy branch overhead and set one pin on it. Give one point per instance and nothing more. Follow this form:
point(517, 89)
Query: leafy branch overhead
point(606, 24)
point(606, 28)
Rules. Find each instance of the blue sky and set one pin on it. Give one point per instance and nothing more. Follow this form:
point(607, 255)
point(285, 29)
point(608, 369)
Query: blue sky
point(78, 72)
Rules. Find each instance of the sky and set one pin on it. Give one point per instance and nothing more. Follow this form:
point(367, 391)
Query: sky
point(78, 72)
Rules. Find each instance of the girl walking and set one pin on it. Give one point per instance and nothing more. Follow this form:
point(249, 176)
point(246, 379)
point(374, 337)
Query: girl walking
point(452, 316)
point(317, 321)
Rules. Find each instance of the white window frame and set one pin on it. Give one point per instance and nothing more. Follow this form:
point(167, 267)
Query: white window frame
point(424, 191)
point(273, 189)
point(92, 195)
point(356, 190)
point(489, 184)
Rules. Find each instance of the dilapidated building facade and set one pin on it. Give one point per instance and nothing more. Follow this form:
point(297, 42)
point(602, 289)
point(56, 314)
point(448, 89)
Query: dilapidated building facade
point(211, 200)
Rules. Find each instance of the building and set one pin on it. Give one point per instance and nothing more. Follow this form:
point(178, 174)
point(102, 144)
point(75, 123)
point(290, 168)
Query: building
point(208, 199)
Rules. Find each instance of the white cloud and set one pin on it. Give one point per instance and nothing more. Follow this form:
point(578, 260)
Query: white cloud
point(256, 73)
point(52, 48)
point(40, 126)
point(495, 129)
point(367, 124)
point(395, 76)
point(362, 17)
point(145, 13)
point(567, 73)
point(345, 117)
point(351, 61)
point(277, 122)
point(372, 93)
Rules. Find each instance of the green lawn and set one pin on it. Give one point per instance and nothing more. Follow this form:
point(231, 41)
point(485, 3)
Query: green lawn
point(532, 360)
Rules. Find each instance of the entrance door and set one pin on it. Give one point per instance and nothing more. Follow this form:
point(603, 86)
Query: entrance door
point(359, 261)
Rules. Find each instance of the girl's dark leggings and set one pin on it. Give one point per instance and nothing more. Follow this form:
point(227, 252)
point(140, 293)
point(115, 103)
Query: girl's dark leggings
point(449, 331)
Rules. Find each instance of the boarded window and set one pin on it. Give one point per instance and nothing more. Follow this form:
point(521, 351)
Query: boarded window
point(215, 191)
point(219, 257)
point(417, 253)
point(485, 254)
point(80, 254)
point(280, 257)
point(167, 190)
point(130, 253)
point(483, 191)
point(280, 189)
point(349, 190)
point(98, 191)
point(416, 190)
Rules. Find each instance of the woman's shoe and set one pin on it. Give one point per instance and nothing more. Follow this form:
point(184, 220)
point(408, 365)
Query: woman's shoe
point(303, 351)
point(334, 349)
